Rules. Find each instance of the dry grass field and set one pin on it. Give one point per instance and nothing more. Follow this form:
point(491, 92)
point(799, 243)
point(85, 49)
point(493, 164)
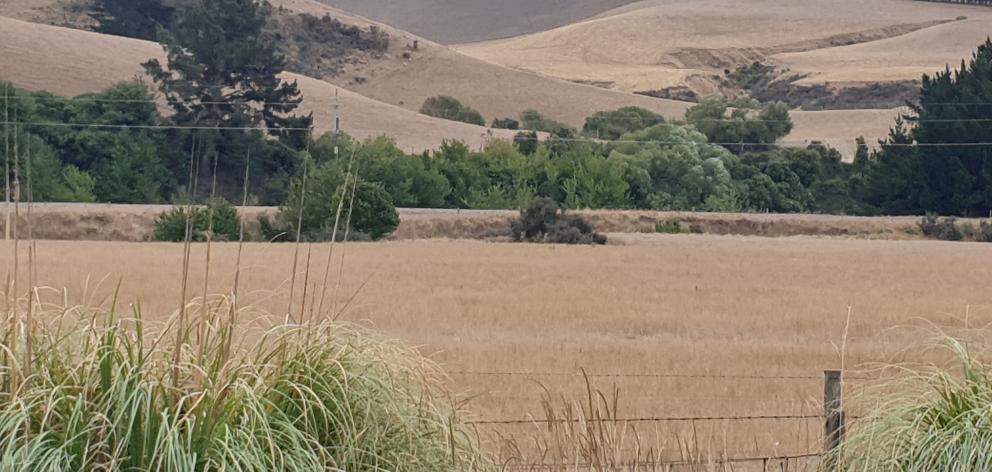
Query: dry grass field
point(670, 305)
point(654, 44)
point(135, 223)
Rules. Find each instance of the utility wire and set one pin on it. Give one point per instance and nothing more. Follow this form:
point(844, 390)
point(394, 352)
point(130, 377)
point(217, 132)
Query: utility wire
point(519, 138)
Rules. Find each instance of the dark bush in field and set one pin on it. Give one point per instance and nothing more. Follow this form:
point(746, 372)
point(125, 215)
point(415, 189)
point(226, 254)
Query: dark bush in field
point(545, 222)
point(944, 229)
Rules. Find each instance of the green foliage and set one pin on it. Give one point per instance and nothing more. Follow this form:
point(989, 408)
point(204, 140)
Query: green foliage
point(669, 227)
point(326, 189)
point(680, 172)
point(132, 18)
point(544, 221)
point(532, 120)
point(527, 142)
point(222, 72)
point(449, 108)
point(505, 123)
point(96, 396)
point(173, 226)
point(612, 125)
point(924, 420)
point(742, 120)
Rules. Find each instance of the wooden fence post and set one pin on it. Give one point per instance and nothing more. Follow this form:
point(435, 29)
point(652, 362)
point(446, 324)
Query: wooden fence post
point(833, 410)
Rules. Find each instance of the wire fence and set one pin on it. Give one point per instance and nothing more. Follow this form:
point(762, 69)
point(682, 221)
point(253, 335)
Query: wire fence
point(660, 419)
point(642, 375)
point(669, 464)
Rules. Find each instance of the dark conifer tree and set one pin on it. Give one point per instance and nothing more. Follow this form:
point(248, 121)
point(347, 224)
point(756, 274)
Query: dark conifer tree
point(223, 72)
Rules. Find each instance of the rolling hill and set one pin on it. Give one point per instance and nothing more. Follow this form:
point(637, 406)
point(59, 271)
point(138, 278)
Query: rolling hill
point(654, 44)
point(70, 62)
point(384, 95)
point(463, 21)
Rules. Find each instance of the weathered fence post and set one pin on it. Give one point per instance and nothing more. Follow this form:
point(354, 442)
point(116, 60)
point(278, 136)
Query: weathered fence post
point(833, 410)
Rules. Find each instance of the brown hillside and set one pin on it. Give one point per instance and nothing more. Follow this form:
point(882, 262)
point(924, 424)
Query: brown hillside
point(464, 21)
point(654, 44)
point(927, 50)
point(71, 62)
point(430, 70)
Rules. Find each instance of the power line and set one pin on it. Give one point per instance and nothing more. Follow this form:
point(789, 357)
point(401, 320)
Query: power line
point(151, 127)
point(143, 100)
point(517, 138)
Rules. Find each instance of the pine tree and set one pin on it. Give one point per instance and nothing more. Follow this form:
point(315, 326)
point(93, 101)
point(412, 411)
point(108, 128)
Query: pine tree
point(132, 18)
point(223, 72)
point(955, 108)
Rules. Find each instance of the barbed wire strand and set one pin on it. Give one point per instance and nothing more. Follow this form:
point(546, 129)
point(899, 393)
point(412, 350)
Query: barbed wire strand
point(636, 463)
point(644, 375)
point(661, 419)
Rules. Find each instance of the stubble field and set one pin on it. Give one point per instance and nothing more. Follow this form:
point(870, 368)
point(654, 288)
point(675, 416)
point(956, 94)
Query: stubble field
point(680, 326)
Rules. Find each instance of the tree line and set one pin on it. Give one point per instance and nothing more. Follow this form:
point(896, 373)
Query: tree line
point(227, 114)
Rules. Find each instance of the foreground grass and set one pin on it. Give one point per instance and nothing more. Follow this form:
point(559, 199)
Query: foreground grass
point(932, 419)
point(92, 391)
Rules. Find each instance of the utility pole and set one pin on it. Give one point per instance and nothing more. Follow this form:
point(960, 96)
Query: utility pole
point(337, 121)
point(6, 159)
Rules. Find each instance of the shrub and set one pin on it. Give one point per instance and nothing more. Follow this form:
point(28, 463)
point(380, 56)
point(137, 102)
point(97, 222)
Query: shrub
point(614, 124)
point(171, 226)
point(669, 227)
point(449, 108)
point(533, 120)
point(984, 234)
point(321, 396)
point(944, 229)
point(527, 142)
point(372, 214)
point(543, 221)
point(506, 123)
point(924, 421)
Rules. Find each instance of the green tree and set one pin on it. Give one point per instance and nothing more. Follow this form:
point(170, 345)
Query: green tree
point(745, 121)
point(373, 212)
point(128, 165)
point(532, 120)
point(953, 108)
point(132, 18)
point(614, 124)
point(449, 108)
point(222, 75)
point(680, 171)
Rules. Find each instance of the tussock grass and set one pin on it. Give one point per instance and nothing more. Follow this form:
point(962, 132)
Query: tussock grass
point(103, 395)
point(927, 419)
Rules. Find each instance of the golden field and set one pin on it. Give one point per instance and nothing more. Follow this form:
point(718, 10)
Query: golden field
point(672, 305)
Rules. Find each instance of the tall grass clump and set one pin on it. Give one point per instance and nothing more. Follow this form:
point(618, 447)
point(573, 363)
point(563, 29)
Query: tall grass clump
point(935, 419)
point(106, 394)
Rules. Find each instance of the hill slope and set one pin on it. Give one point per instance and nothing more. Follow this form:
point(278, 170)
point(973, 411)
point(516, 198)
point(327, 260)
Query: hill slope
point(463, 21)
point(655, 44)
point(70, 62)
point(907, 56)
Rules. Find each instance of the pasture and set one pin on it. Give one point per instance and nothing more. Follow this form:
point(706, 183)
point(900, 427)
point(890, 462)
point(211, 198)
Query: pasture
point(680, 326)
